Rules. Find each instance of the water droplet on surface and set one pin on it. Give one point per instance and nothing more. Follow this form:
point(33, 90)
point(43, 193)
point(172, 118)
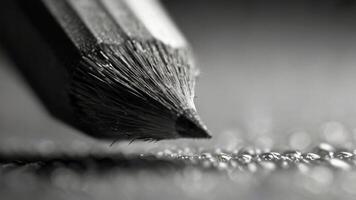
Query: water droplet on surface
point(325, 151)
point(339, 164)
point(270, 156)
point(244, 158)
point(292, 156)
point(344, 155)
point(206, 156)
point(224, 157)
point(310, 157)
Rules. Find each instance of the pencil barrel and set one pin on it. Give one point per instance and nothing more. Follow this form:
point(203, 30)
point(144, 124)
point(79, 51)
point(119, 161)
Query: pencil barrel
point(111, 68)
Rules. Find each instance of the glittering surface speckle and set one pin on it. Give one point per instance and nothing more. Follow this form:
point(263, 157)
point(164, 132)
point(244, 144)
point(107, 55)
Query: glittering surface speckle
point(184, 172)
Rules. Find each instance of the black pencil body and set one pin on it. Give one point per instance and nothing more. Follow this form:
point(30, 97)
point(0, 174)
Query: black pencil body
point(113, 69)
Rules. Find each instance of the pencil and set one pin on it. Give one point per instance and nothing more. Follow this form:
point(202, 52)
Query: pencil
point(114, 69)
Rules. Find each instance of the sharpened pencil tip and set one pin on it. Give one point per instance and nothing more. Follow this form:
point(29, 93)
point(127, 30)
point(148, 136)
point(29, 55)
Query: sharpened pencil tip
point(190, 126)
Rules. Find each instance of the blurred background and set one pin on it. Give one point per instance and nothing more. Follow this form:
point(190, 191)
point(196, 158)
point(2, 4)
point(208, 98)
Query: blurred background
point(276, 74)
